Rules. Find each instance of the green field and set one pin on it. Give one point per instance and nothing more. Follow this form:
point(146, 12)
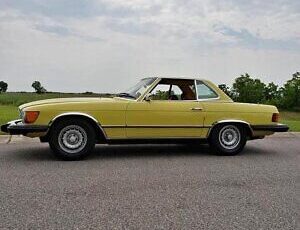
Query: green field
point(17, 99)
point(9, 103)
point(292, 119)
point(8, 113)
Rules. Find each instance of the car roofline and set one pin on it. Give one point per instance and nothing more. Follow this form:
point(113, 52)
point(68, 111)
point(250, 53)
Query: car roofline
point(214, 87)
point(176, 78)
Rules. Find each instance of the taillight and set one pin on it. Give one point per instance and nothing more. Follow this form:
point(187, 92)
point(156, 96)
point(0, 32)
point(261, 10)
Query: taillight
point(31, 116)
point(275, 117)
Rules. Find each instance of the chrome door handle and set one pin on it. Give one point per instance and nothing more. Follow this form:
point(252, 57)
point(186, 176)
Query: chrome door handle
point(197, 109)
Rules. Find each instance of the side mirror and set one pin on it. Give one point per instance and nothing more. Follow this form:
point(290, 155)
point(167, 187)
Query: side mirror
point(148, 97)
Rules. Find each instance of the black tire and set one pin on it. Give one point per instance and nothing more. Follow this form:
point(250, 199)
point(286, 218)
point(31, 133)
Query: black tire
point(72, 139)
point(220, 139)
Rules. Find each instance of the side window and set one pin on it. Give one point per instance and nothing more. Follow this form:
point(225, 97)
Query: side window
point(175, 90)
point(161, 92)
point(204, 92)
point(176, 93)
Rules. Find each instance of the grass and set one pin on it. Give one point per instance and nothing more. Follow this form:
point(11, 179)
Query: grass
point(292, 119)
point(8, 113)
point(20, 98)
point(290, 116)
point(9, 103)
point(294, 125)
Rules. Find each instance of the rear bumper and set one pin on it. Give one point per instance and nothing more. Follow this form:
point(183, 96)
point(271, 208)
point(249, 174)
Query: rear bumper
point(271, 128)
point(17, 127)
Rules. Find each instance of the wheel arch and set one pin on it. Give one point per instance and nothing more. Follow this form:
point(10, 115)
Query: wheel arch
point(100, 133)
point(242, 123)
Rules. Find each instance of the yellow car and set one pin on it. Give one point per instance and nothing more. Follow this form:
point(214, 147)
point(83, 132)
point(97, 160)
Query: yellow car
point(160, 110)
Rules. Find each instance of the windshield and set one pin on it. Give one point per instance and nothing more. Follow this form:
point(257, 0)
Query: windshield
point(140, 88)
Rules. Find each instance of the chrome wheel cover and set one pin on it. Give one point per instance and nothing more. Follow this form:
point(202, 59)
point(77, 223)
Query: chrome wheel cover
point(72, 139)
point(229, 137)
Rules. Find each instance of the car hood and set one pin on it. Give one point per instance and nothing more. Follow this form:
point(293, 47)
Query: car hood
point(68, 100)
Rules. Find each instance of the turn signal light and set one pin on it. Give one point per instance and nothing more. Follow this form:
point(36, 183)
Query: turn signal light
point(275, 117)
point(31, 116)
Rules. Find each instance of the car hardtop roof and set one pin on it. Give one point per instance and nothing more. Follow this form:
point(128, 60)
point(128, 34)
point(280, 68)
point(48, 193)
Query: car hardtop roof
point(175, 78)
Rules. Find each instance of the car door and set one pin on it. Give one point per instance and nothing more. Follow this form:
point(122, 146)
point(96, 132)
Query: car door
point(164, 118)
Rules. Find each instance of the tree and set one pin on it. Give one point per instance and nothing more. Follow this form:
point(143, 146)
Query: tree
point(271, 92)
point(161, 95)
point(247, 89)
point(38, 87)
point(291, 93)
point(3, 87)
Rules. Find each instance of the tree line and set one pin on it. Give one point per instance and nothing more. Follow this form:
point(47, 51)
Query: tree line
point(36, 85)
point(244, 89)
point(253, 90)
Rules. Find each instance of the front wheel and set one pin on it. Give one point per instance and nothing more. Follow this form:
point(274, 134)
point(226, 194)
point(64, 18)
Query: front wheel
point(228, 139)
point(72, 139)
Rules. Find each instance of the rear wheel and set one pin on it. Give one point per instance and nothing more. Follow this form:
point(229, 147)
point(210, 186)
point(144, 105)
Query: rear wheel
point(72, 139)
point(228, 139)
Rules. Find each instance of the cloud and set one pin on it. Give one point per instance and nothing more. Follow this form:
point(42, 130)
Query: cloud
point(245, 38)
point(53, 8)
point(271, 20)
point(64, 31)
point(59, 30)
point(132, 27)
point(104, 45)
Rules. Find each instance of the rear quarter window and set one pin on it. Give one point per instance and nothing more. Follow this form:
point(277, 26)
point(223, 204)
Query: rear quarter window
point(205, 92)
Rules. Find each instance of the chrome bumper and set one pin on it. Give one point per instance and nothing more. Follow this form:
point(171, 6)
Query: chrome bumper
point(17, 127)
point(272, 128)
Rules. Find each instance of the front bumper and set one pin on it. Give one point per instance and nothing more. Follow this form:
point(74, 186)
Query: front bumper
point(17, 127)
point(271, 128)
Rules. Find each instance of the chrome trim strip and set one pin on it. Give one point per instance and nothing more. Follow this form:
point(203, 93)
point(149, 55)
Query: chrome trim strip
point(79, 114)
point(229, 121)
point(14, 121)
point(155, 138)
point(209, 99)
point(113, 126)
point(196, 89)
point(154, 126)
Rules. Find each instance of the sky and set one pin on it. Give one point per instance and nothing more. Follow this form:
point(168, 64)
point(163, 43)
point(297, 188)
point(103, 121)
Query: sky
point(108, 45)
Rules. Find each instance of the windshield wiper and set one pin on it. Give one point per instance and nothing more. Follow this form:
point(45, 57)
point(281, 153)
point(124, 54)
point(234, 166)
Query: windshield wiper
point(126, 95)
